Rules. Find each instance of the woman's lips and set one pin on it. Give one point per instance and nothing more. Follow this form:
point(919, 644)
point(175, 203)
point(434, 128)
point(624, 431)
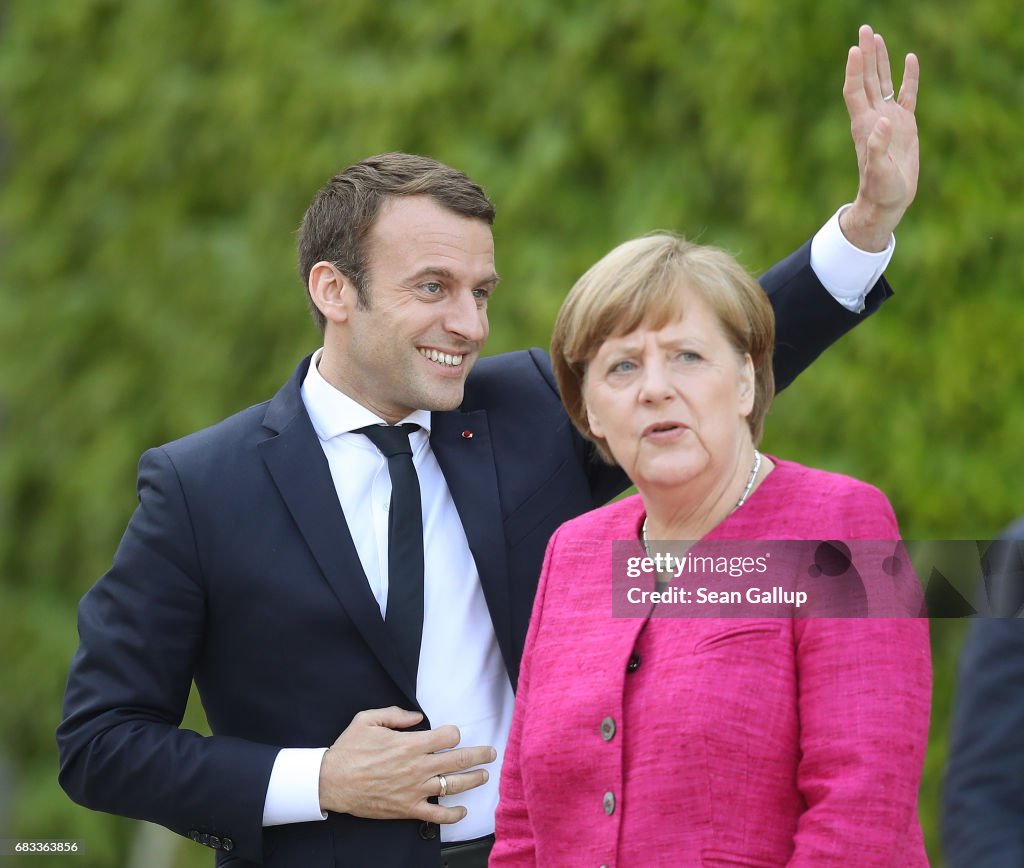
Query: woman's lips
point(664, 432)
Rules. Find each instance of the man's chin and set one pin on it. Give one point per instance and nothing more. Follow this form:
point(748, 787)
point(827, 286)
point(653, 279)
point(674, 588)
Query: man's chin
point(443, 399)
point(448, 394)
point(451, 401)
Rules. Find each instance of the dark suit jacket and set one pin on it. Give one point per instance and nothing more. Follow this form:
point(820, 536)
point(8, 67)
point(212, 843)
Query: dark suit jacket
point(983, 801)
point(237, 570)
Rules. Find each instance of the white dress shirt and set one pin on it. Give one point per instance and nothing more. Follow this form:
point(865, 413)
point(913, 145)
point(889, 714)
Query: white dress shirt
point(461, 677)
point(847, 272)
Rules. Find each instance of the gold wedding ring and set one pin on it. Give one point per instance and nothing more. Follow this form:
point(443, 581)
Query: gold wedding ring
point(443, 781)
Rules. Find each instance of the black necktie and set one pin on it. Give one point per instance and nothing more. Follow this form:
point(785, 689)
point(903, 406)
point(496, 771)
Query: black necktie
point(404, 617)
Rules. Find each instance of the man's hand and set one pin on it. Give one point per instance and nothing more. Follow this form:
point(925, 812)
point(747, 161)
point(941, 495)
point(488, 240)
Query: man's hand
point(885, 137)
point(374, 770)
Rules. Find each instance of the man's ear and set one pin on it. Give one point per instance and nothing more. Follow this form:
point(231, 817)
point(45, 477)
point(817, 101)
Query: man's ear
point(747, 381)
point(333, 293)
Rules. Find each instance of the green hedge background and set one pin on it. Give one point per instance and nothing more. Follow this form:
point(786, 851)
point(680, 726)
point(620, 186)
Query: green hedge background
point(157, 157)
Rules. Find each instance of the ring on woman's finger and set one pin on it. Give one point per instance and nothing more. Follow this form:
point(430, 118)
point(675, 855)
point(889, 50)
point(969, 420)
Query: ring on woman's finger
point(889, 97)
point(443, 781)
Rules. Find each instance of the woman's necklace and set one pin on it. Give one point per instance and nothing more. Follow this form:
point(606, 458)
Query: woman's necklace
point(750, 482)
point(739, 503)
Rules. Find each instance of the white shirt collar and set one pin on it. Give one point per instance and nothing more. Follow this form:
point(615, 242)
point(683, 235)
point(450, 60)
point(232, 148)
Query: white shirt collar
point(332, 412)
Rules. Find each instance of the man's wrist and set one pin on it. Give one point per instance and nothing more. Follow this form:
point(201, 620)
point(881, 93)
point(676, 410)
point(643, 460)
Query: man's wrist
point(847, 272)
point(327, 786)
point(869, 227)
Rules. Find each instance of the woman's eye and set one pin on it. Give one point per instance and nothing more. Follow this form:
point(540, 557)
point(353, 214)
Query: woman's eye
point(689, 356)
point(623, 367)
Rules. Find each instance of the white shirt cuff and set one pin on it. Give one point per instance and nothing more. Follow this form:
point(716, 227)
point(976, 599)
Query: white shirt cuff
point(847, 272)
point(293, 794)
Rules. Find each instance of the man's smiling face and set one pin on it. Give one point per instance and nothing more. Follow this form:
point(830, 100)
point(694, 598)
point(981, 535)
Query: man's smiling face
point(430, 274)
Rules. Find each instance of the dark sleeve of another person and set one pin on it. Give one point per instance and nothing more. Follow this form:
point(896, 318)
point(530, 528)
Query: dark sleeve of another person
point(983, 801)
point(808, 320)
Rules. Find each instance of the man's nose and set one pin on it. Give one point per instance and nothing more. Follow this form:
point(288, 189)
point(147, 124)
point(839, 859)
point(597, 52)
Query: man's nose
point(465, 318)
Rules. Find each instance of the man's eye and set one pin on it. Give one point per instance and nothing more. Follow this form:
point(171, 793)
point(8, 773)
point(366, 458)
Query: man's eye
point(481, 294)
point(432, 288)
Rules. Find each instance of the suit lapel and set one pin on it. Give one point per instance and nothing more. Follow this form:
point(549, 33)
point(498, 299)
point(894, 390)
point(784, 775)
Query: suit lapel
point(467, 463)
point(302, 475)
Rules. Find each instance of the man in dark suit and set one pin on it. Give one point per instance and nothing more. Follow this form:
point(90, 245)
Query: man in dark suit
point(261, 561)
point(983, 799)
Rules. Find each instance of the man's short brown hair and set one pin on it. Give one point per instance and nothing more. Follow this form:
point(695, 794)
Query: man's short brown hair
point(338, 222)
point(647, 281)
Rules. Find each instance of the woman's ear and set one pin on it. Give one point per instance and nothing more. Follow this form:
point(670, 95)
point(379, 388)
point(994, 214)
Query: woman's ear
point(593, 423)
point(747, 382)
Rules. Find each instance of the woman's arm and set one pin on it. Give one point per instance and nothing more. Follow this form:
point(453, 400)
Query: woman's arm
point(865, 694)
point(864, 703)
point(514, 841)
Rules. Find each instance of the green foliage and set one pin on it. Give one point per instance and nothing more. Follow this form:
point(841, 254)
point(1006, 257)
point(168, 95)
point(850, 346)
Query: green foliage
point(158, 156)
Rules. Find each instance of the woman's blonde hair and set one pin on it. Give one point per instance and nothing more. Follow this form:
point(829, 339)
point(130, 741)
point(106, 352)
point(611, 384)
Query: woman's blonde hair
point(647, 281)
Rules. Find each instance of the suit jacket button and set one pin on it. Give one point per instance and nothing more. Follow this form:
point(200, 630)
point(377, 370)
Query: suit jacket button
point(227, 844)
point(428, 831)
point(608, 728)
point(634, 663)
point(213, 841)
point(194, 835)
point(609, 803)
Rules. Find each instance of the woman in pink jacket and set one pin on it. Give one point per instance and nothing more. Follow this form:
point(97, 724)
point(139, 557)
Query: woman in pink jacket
point(751, 740)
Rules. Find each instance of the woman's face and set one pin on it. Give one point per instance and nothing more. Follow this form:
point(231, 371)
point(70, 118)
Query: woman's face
point(672, 403)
